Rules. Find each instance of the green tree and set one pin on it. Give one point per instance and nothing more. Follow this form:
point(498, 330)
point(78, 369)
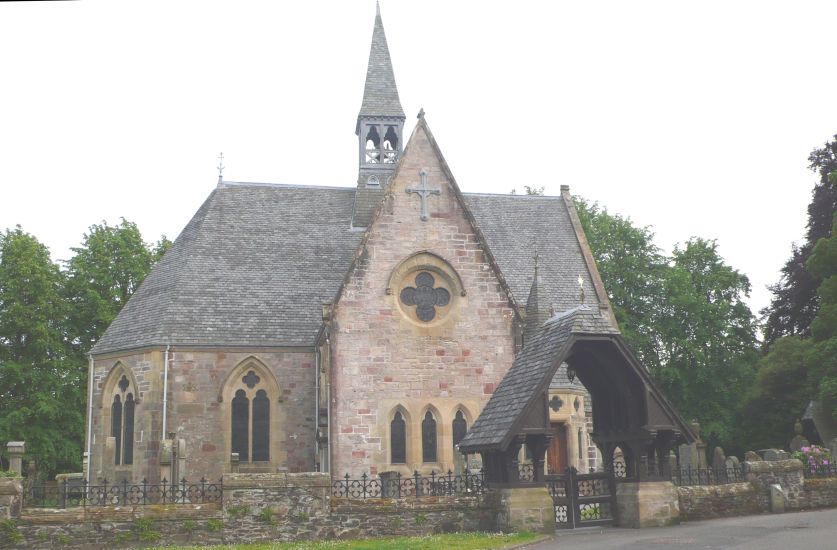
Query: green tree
point(633, 270)
point(778, 397)
point(684, 316)
point(795, 302)
point(529, 190)
point(105, 271)
point(822, 357)
point(707, 336)
point(41, 391)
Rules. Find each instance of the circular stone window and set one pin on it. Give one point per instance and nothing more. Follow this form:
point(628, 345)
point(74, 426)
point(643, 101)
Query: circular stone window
point(425, 289)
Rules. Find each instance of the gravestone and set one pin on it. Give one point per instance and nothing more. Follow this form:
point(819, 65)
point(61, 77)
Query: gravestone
point(798, 440)
point(15, 450)
point(719, 459)
point(774, 454)
point(733, 463)
point(751, 456)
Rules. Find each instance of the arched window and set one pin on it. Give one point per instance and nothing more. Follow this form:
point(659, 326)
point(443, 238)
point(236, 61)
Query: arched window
point(428, 438)
point(122, 422)
point(250, 421)
point(398, 439)
point(460, 428)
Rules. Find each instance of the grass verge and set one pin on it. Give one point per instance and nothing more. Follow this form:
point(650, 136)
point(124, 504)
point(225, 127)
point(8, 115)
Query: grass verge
point(456, 541)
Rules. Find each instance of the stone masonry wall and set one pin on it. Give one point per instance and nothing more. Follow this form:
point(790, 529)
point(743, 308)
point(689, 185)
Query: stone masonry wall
point(256, 507)
point(752, 497)
point(198, 413)
point(820, 493)
point(718, 501)
point(259, 507)
point(384, 358)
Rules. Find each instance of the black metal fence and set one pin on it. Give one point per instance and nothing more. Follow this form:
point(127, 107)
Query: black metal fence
point(706, 476)
point(81, 493)
point(819, 470)
point(394, 485)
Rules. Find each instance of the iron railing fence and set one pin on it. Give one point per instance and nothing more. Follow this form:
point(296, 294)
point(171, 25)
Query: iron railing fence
point(123, 494)
point(706, 476)
point(819, 470)
point(394, 485)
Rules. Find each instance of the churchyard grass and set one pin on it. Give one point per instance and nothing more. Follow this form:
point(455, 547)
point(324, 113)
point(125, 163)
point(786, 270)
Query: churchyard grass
point(456, 541)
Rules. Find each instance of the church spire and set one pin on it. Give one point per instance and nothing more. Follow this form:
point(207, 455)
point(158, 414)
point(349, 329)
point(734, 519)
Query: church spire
point(380, 94)
point(537, 313)
point(380, 128)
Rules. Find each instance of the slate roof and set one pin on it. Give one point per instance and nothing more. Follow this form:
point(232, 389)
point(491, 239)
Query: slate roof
point(251, 268)
point(534, 366)
point(380, 94)
point(517, 226)
point(256, 262)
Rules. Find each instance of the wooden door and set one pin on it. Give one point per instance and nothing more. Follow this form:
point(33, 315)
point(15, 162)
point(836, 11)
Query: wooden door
point(556, 455)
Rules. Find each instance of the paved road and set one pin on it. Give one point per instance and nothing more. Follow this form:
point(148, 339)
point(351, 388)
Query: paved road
point(804, 530)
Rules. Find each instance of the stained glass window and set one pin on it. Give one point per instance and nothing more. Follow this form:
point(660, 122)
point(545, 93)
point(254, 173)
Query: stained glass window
point(261, 427)
point(241, 425)
point(116, 426)
point(128, 429)
point(398, 439)
point(428, 438)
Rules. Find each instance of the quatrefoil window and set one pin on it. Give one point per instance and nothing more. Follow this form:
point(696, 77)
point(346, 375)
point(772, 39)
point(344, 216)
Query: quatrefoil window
point(123, 383)
point(250, 379)
point(425, 297)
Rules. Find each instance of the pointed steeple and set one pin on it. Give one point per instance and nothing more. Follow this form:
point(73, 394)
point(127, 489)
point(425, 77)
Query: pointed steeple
point(537, 308)
point(380, 127)
point(380, 95)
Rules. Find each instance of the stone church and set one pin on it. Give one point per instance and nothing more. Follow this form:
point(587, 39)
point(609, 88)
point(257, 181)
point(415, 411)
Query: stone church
point(340, 329)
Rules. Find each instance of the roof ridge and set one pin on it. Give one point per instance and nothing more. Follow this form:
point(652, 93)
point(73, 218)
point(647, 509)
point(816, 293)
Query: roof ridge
point(233, 184)
point(206, 207)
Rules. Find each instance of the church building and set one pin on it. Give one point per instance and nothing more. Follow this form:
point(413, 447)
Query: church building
point(344, 329)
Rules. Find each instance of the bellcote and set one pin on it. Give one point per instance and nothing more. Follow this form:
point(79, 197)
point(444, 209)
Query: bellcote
point(380, 127)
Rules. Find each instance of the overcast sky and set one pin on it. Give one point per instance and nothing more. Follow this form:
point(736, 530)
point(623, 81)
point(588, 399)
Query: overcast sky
point(695, 118)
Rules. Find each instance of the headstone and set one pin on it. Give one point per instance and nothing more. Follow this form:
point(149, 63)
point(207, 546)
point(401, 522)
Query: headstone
point(751, 456)
point(688, 456)
point(798, 440)
point(774, 454)
point(15, 450)
point(719, 459)
point(833, 446)
point(732, 463)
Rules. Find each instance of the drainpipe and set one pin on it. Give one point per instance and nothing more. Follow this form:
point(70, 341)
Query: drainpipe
point(328, 407)
point(165, 388)
point(89, 416)
point(317, 404)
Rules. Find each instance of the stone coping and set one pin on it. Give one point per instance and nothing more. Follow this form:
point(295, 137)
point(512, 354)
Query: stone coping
point(119, 513)
point(773, 466)
point(276, 480)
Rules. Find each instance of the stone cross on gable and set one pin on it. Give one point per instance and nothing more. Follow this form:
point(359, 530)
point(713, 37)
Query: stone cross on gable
point(424, 192)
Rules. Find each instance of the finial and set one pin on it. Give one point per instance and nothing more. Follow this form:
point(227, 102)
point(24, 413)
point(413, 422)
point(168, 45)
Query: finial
point(537, 257)
point(581, 288)
point(420, 113)
point(220, 167)
point(378, 9)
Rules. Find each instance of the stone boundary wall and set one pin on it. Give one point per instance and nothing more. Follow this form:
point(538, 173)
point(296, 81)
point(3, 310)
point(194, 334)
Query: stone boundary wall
point(256, 507)
point(116, 527)
point(286, 507)
point(753, 496)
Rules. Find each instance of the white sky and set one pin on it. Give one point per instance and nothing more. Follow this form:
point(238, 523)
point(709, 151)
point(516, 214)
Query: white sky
point(694, 117)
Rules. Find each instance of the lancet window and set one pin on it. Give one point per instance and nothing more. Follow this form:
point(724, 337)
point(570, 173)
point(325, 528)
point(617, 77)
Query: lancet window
point(428, 438)
point(398, 439)
point(250, 420)
point(122, 421)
